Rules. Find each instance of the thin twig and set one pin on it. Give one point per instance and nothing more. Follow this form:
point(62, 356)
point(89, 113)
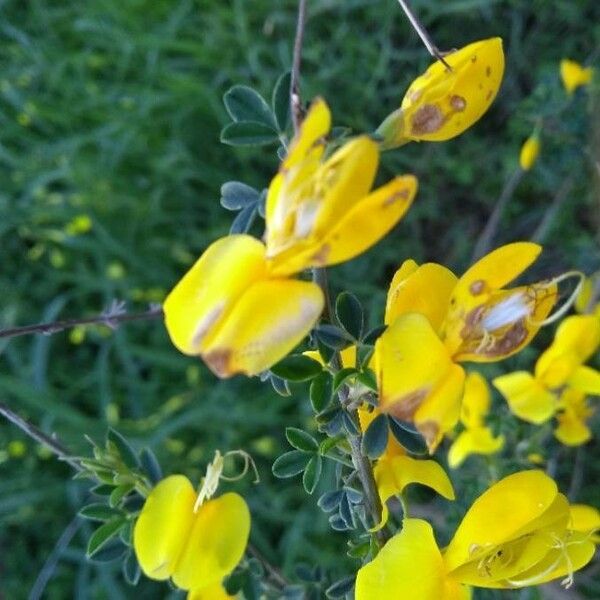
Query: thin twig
point(273, 571)
point(422, 33)
point(484, 242)
point(295, 97)
point(539, 235)
point(111, 320)
point(39, 436)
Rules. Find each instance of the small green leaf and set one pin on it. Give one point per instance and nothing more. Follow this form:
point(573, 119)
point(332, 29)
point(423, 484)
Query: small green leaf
point(126, 452)
point(150, 465)
point(407, 436)
point(340, 588)
point(112, 551)
point(102, 490)
point(371, 336)
point(375, 437)
point(301, 440)
point(243, 220)
point(131, 569)
point(342, 376)
point(333, 336)
point(103, 534)
point(297, 367)
point(99, 512)
point(349, 313)
point(368, 379)
point(326, 352)
point(321, 391)
point(248, 133)
point(312, 473)
point(280, 386)
point(350, 424)
point(244, 103)
point(281, 101)
point(360, 550)
point(119, 493)
point(236, 195)
point(290, 464)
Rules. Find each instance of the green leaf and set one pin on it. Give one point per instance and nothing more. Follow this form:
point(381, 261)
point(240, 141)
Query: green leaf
point(333, 336)
point(244, 103)
point(312, 473)
point(126, 452)
point(368, 379)
point(119, 493)
point(407, 436)
point(321, 391)
point(99, 512)
point(243, 220)
point(375, 437)
point(301, 440)
point(112, 551)
point(236, 195)
point(349, 313)
point(281, 101)
point(248, 133)
point(102, 490)
point(340, 588)
point(103, 534)
point(280, 386)
point(371, 336)
point(297, 367)
point(342, 376)
point(150, 465)
point(290, 464)
point(325, 351)
point(131, 569)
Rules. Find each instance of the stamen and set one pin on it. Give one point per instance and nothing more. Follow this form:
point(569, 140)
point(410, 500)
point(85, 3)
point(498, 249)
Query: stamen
point(210, 481)
point(570, 301)
point(506, 312)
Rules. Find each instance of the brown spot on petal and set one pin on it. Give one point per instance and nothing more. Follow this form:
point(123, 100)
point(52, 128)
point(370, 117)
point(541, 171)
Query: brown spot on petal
point(472, 321)
point(218, 362)
point(400, 195)
point(205, 325)
point(428, 119)
point(511, 340)
point(416, 95)
point(405, 407)
point(477, 287)
point(320, 256)
point(474, 58)
point(431, 432)
point(488, 71)
point(458, 103)
point(489, 95)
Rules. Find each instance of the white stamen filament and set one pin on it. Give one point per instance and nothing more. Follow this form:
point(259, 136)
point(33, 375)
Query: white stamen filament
point(506, 312)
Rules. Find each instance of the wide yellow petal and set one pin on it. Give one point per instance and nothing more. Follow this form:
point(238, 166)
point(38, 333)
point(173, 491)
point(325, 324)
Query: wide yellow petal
point(161, 530)
point(268, 321)
point(504, 512)
point(584, 518)
point(408, 566)
point(476, 400)
point(527, 398)
point(356, 231)
point(477, 440)
point(417, 379)
point(425, 290)
point(442, 103)
point(572, 429)
point(212, 592)
point(585, 379)
point(216, 543)
point(573, 75)
point(203, 298)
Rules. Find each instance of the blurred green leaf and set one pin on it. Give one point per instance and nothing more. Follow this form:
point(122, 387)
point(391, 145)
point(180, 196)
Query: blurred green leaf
point(99, 512)
point(301, 440)
point(248, 133)
point(290, 464)
point(297, 367)
point(281, 100)
point(244, 103)
point(103, 534)
point(312, 473)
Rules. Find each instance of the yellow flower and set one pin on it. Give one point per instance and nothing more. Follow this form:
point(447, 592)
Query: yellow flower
point(586, 519)
point(476, 438)
point(441, 103)
point(560, 381)
point(437, 320)
point(573, 75)
point(516, 534)
point(530, 151)
point(238, 306)
point(194, 544)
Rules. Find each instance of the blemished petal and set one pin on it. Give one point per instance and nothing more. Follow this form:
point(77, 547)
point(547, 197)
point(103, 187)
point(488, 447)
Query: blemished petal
point(267, 322)
point(527, 398)
point(161, 530)
point(356, 231)
point(212, 592)
point(215, 543)
point(424, 289)
point(476, 400)
point(479, 440)
point(502, 513)
point(416, 378)
point(408, 566)
point(585, 379)
point(202, 299)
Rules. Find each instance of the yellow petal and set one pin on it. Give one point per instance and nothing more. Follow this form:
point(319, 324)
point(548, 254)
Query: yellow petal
point(408, 566)
point(572, 429)
point(476, 400)
point(417, 379)
point(161, 530)
point(268, 321)
point(442, 103)
point(356, 231)
point(529, 152)
point(425, 289)
point(585, 295)
point(478, 440)
point(584, 518)
point(527, 398)
point(347, 356)
point(504, 512)
point(212, 592)
point(199, 303)
point(573, 75)
point(215, 544)
point(586, 380)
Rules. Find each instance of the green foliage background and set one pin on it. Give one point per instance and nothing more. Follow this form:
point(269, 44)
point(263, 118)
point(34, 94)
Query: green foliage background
point(112, 109)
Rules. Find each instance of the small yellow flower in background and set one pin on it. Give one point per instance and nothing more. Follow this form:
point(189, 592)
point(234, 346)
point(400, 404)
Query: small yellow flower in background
point(437, 320)
point(530, 151)
point(560, 381)
point(191, 538)
point(587, 301)
point(476, 438)
point(79, 225)
point(518, 533)
point(442, 103)
point(573, 75)
point(17, 449)
point(238, 306)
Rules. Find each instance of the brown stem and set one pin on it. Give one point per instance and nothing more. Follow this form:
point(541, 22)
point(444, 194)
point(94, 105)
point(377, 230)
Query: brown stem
point(295, 98)
point(111, 320)
point(273, 571)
